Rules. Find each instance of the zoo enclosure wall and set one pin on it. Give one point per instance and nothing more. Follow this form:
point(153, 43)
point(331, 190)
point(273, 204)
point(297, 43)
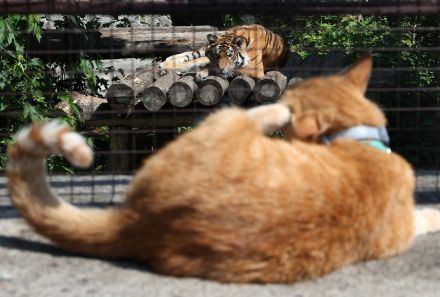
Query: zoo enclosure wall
point(75, 51)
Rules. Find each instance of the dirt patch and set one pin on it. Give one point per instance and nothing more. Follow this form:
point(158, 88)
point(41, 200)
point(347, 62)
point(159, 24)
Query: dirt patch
point(30, 266)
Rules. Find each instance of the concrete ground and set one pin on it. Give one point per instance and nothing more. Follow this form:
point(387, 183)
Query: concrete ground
point(30, 266)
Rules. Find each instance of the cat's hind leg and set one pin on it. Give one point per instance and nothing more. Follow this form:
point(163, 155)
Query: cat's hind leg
point(270, 117)
point(426, 220)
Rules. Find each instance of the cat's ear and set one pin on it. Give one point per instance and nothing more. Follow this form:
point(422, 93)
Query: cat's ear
point(312, 125)
point(359, 73)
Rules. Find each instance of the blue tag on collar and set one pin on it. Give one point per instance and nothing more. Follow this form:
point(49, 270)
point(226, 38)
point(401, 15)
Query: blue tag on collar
point(377, 144)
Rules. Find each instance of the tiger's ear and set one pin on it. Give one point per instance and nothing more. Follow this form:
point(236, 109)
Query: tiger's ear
point(359, 73)
point(238, 41)
point(211, 38)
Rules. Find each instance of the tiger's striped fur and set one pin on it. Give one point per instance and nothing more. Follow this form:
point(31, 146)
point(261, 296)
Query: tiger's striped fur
point(247, 49)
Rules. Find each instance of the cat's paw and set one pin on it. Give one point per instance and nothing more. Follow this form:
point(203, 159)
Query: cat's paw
point(426, 220)
point(270, 117)
point(40, 140)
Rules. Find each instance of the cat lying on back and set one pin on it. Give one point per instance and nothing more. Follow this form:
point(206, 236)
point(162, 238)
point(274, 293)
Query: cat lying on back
point(227, 203)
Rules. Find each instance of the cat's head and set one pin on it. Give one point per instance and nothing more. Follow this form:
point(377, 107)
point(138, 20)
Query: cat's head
point(325, 105)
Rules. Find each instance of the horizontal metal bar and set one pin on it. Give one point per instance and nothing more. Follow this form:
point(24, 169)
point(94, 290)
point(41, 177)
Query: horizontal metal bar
point(115, 32)
point(215, 7)
point(407, 109)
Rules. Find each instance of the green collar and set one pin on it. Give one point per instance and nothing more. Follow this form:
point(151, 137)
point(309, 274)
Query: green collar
point(377, 144)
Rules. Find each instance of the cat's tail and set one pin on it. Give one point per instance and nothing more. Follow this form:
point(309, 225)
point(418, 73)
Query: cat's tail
point(97, 232)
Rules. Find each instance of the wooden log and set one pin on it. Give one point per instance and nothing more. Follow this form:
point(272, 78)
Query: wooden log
point(294, 81)
point(240, 88)
point(123, 95)
point(211, 90)
point(123, 42)
point(155, 95)
point(269, 88)
point(182, 92)
point(119, 160)
point(87, 105)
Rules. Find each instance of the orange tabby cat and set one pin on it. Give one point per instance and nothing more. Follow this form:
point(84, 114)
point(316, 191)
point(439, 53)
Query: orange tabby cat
point(227, 203)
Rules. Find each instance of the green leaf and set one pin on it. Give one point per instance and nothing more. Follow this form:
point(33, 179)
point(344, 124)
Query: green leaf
point(73, 106)
point(69, 170)
point(3, 106)
point(26, 110)
point(38, 96)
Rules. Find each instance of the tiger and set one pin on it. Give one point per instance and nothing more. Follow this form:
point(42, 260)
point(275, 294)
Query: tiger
point(241, 50)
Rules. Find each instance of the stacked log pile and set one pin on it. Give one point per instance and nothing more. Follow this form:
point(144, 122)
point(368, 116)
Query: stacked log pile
point(154, 91)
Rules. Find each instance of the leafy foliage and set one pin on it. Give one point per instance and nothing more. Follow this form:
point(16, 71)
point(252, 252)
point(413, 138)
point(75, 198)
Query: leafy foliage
point(30, 87)
point(22, 78)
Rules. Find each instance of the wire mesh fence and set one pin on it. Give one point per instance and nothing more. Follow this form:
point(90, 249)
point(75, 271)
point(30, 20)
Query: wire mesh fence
point(75, 61)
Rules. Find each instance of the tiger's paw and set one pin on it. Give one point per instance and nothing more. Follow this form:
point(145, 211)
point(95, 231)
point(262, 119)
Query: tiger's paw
point(201, 75)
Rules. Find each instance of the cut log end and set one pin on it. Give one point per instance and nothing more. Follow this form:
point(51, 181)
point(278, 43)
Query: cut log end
point(267, 91)
point(154, 99)
point(155, 96)
point(270, 87)
point(119, 93)
point(181, 92)
point(211, 90)
point(240, 88)
point(180, 95)
point(123, 95)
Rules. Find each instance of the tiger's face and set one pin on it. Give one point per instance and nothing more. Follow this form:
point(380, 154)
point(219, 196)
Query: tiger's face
point(226, 53)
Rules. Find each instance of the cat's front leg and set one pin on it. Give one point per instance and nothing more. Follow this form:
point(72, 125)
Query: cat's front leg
point(426, 220)
point(270, 117)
